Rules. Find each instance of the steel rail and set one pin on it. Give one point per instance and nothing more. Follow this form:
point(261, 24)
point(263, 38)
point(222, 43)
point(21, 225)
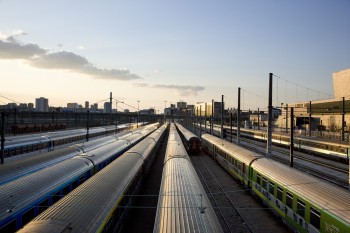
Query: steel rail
point(222, 190)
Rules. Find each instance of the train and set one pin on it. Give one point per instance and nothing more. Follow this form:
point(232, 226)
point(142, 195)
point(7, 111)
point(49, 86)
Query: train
point(17, 145)
point(101, 203)
point(26, 197)
point(15, 169)
point(183, 205)
point(190, 140)
point(336, 151)
point(303, 202)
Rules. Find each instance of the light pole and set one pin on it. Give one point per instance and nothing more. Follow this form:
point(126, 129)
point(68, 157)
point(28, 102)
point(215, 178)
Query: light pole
point(116, 114)
point(164, 108)
point(138, 112)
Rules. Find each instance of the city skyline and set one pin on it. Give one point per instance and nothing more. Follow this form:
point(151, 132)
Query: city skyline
point(158, 51)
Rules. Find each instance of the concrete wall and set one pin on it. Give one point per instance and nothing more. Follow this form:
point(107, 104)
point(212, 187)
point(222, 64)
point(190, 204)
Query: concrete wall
point(341, 84)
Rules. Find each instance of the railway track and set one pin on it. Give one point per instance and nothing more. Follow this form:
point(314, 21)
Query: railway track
point(251, 145)
point(233, 220)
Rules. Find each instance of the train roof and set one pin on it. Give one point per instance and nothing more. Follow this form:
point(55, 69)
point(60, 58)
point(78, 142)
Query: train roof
point(84, 209)
point(185, 132)
point(173, 150)
point(183, 205)
point(324, 195)
point(15, 169)
point(244, 155)
point(29, 188)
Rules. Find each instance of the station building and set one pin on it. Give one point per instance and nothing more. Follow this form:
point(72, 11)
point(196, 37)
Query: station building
point(325, 114)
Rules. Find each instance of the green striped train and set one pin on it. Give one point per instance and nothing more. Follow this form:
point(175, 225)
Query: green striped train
point(305, 203)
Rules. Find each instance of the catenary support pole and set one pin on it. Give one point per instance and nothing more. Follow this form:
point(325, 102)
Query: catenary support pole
point(258, 119)
point(205, 121)
point(231, 125)
point(87, 125)
point(343, 122)
point(200, 120)
point(291, 148)
point(222, 116)
point(212, 117)
point(239, 117)
point(269, 124)
point(2, 137)
point(310, 120)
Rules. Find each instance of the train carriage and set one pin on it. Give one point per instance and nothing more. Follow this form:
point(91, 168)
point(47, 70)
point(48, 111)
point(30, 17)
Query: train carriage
point(235, 159)
point(191, 141)
point(307, 203)
point(182, 204)
point(100, 204)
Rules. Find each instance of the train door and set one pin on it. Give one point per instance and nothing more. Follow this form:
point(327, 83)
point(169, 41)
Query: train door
point(244, 172)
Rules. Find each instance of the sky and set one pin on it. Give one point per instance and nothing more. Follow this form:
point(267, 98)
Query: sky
point(160, 52)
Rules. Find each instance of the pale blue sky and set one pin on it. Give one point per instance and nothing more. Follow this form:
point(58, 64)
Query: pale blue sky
point(155, 50)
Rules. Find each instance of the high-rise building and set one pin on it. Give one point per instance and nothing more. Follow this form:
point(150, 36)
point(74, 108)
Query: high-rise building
point(107, 108)
point(87, 104)
point(41, 104)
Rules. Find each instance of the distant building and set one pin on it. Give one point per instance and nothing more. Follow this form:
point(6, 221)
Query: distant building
point(72, 107)
point(150, 111)
point(87, 104)
point(181, 105)
point(341, 84)
point(30, 106)
point(41, 104)
point(107, 107)
point(324, 113)
point(206, 108)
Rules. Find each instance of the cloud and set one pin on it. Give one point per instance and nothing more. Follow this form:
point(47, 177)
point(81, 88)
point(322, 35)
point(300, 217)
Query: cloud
point(182, 90)
point(38, 57)
point(140, 85)
point(81, 47)
point(11, 49)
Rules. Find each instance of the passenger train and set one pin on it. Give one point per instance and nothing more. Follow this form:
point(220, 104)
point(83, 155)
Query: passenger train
point(12, 170)
point(26, 197)
point(337, 151)
point(16, 145)
point(101, 203)
point(183, 205)
point(191, 141)
point(307, 204)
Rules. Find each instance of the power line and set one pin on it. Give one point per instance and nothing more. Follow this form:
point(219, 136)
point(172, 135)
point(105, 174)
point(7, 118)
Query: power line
point(10, 99)
point(307, 89)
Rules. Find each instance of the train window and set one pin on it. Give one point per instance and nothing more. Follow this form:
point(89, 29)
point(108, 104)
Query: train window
point(56, 197)
point(289, 200)
point(264, 184)
point(301, 208)
point(10, 227)
point(279, 193)
point(315, 217)
point(27, 216)
point(43, 205)
point(258, 178)
point(239, 165)
point(81, 179)
point(74, 184)
point(271, 188)
point(66, 190)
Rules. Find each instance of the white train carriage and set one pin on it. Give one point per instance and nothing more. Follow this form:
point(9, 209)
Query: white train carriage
point(100, 204)
point(183, 205)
